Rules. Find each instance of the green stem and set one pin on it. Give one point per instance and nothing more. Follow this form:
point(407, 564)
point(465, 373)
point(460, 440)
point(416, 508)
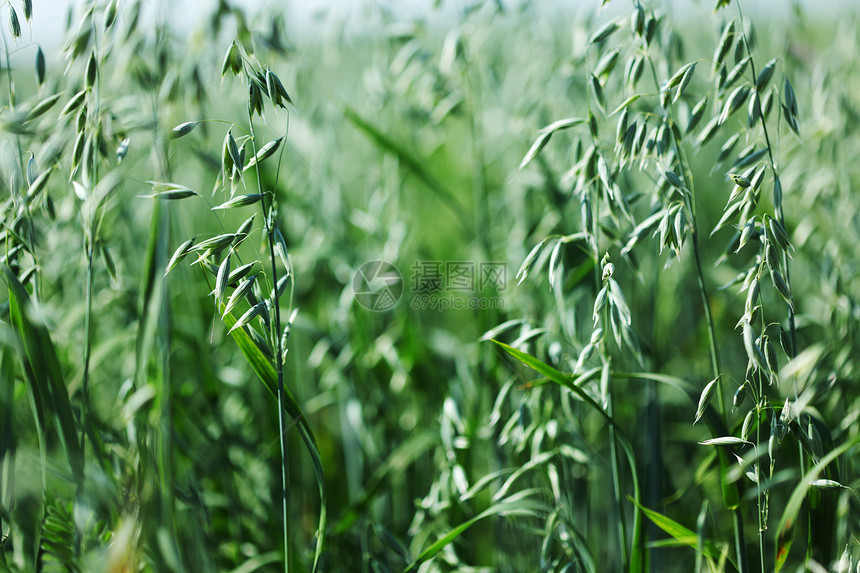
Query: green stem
point(85, 385)
point(268, 223)
point(777, 203)
point(712, 333)
point(616, 482)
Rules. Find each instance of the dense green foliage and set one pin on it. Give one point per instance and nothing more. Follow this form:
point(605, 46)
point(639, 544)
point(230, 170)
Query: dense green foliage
point(664, 377)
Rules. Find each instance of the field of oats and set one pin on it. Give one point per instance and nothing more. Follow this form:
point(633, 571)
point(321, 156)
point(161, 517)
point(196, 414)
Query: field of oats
point(490, 287)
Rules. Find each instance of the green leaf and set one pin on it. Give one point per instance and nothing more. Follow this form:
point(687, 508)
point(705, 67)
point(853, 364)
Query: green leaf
point(637, 556)
point(402, 457)
point(680, 533)
point(262, 366)
point(410, 162)
point(785, 530)
point(42, 368)
point(517, 504)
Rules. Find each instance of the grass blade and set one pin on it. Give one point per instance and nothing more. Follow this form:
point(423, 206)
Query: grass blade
point(637, 557)
point(410, 161)
point(680, 533)
point(43, 369)
point(262, 366)
point(785, 530)
point(517, 504)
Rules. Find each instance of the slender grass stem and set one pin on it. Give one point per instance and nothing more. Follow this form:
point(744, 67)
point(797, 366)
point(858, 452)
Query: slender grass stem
point(616, 481)
point(268, 223)
point(88, 337)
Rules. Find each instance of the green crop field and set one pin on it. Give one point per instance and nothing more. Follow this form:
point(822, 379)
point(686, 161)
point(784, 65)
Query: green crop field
point(498, 286)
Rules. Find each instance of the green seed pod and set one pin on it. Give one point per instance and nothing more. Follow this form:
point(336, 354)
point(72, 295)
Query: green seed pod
point(709, 130)
point(183, 129)
point(726, 41)
point(767, 103)
point(74, 103)
point(605, 65)
point(752, 295)
point(754, 110)
point(604, 32)
point(650, 29)
point(110, 14)
point(40, 66)
point(815, 443)
point(92, 71)
point(770, 357)
point(77, 152)
point(778, 232)
point(747, 425)
point(122, 150)
point(637, 19)
point(785, 341)
point(227, 155)
point(232, 61)
point(781, 286)
point(765, 74)
point(255, 99)
point(739, 50)
point(739, 395)
point(32, 170)
point(597, 90)
point(264, 153)
point(633, 70)
point(621, 127)
point(736, 72)
point(14, 24)
point(592, 122)
point(664, 99)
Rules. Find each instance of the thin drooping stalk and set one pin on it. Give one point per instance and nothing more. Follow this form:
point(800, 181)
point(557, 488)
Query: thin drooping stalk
point(268, 225)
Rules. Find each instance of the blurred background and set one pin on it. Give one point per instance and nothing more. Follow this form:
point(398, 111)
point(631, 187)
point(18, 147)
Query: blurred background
point(409, 125)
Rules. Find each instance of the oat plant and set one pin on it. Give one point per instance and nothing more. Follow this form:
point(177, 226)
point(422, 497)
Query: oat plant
point(662, 117)
point(256, 285)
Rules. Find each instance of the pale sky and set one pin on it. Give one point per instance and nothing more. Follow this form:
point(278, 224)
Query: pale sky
point(49, 23)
